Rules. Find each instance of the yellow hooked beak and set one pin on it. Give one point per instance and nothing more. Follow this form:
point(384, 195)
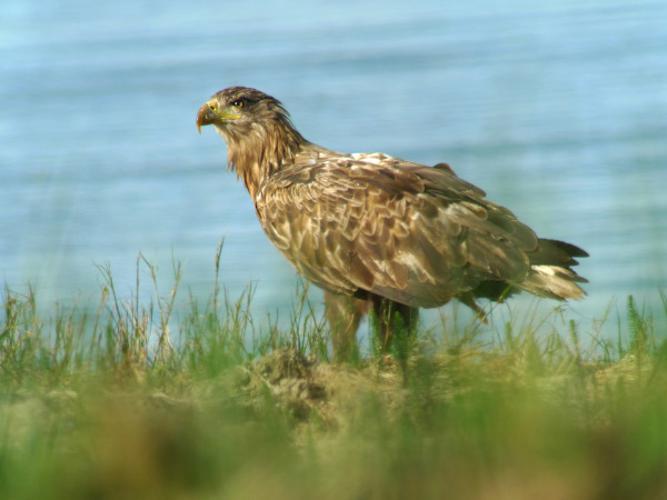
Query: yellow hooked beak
point(210, 113)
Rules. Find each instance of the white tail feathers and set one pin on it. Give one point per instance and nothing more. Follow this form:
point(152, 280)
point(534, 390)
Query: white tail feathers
point(553, 281)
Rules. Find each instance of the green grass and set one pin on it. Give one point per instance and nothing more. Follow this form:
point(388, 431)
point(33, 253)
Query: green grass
point(130, 402)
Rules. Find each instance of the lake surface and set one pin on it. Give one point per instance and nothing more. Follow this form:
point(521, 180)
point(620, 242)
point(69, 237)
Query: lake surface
point(557, 109)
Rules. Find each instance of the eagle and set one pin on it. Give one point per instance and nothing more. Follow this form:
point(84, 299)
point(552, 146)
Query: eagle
point(379, 233)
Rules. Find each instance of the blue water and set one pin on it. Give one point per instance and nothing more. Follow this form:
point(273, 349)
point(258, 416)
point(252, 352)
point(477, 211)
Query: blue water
point(557, 109)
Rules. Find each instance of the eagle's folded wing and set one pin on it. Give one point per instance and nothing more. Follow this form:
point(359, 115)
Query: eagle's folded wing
point(414, 234)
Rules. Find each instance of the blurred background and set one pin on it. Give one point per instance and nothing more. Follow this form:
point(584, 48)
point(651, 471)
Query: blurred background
point(557, 109)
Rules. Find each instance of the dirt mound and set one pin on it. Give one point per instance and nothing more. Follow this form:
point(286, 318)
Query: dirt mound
point(309, 388)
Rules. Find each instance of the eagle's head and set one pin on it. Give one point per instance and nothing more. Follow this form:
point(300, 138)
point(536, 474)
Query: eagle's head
point(239, 111)
point(259, 134)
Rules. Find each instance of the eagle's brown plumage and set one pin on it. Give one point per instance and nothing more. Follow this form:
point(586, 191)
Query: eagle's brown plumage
point(375, 227)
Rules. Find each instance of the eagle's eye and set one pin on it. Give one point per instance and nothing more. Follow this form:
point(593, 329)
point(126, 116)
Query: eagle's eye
point(238, 103)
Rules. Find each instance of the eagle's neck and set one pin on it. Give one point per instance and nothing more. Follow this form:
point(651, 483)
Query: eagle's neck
point(256, 153)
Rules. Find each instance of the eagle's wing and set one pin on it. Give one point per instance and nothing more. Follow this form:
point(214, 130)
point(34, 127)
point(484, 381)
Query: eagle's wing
point(411, 233)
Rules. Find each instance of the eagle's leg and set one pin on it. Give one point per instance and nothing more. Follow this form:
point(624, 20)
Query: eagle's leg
point(393, 319)
point(343, 314)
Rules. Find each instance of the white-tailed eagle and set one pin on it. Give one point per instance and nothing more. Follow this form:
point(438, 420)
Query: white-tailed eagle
point(370, 227)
